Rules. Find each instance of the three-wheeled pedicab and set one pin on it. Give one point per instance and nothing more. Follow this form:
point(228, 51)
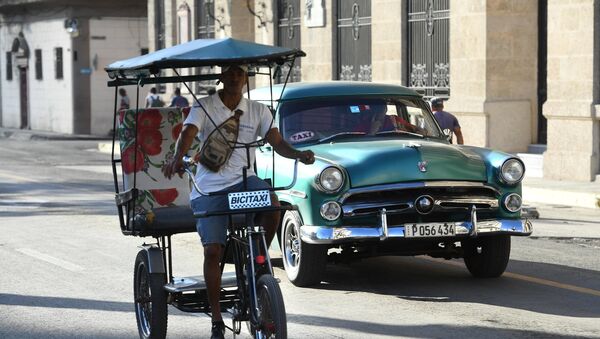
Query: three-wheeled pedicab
point(151, 206)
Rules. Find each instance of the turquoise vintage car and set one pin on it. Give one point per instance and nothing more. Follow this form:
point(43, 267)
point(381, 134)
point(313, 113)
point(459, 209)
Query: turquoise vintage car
point(386, 181)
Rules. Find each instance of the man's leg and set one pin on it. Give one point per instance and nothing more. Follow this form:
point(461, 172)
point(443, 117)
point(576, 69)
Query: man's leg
point(270, 220)
point(212, 277)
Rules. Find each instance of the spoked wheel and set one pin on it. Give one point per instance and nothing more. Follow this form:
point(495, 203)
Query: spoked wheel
point(271, 317)
point(150, 299)
point(304, 263)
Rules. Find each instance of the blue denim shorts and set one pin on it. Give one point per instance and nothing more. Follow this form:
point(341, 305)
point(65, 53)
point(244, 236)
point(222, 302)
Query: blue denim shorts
point(213, 230)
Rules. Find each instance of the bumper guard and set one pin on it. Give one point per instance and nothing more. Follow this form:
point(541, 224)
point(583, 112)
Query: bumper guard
point(334, 235)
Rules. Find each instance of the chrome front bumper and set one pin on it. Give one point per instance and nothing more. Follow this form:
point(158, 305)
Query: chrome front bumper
point(335, 235)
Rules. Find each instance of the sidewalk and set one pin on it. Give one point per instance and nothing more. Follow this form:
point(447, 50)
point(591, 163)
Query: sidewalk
point(536, 191)
point(566, 193)
point(25, 134)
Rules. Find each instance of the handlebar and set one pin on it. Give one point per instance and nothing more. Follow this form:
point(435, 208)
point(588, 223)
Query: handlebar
point(188, 162)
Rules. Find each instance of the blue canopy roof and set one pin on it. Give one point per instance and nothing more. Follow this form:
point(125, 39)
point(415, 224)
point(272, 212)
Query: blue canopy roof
point(206, 52)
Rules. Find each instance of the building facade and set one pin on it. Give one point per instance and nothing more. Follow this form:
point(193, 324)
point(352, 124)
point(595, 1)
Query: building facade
point(521, 76)
point(52, 59)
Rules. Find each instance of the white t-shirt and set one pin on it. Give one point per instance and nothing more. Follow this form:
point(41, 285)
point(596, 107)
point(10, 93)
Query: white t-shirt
point(255, 121)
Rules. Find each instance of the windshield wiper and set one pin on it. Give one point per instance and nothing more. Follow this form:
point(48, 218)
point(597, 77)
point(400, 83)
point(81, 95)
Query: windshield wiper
point(341, 134)
point(400, 132)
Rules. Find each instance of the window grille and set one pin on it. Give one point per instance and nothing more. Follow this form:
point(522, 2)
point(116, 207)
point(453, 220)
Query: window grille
point(58, 62)
point(9, 66)
point(38, 64)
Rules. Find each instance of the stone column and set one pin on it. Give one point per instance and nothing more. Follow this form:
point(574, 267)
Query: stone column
point(468, 33)
point(317, 43)
point(389, 41)
point(265, 31)
point(242, 21)
point(493, 72)
point(572, 107)
point(151, 28)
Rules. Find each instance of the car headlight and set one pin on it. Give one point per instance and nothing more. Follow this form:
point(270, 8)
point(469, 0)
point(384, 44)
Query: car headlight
point(331, 210)
point(512, 171)
point(330, 180)
point(513, 202)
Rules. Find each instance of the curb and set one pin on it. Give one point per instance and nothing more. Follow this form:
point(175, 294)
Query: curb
point(106, 147)
point(22, 134)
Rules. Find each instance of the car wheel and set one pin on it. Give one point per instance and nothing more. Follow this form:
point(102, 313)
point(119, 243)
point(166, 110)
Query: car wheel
point(487, 257)
point(304, 263)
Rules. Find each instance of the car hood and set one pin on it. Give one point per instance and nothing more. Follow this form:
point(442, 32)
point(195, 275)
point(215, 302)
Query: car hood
point(386, 161)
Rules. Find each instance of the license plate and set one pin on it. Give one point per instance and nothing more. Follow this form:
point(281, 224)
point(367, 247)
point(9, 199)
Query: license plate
point(429, 230)
point(249, 199)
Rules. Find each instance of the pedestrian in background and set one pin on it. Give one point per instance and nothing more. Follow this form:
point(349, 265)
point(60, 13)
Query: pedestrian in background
point(447, 121)
point(153, 99)
point(123, 99)
point(178, 100)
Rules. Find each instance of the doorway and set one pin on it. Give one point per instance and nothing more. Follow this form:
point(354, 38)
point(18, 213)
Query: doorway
point(24, 98)
point(429, 47)
point(288, 35)
point(352, 56)
point(542, 125)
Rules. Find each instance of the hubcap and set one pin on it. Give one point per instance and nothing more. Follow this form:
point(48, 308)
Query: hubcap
point(292, 245)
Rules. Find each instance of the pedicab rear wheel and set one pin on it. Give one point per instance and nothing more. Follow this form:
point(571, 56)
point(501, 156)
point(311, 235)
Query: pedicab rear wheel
point(150, 299)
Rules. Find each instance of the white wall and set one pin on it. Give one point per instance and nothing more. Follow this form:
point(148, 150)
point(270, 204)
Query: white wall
point(112, 39)
point(50, 99)
point(9, 89)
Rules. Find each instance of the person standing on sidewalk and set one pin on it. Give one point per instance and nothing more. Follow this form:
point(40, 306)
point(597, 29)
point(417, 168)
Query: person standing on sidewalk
point(123, 99)
point(153, 99)
point(446, 120)
point(179, 100)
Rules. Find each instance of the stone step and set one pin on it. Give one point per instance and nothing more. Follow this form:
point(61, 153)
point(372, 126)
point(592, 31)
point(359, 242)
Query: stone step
point(537, 148)
point(534, 164)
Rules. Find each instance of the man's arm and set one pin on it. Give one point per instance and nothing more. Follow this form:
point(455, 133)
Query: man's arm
point(459, 136)
point(183, 144)
point(286, 150)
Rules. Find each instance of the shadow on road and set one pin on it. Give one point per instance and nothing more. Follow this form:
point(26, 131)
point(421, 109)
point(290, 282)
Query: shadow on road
point(417, 331)
point(420, 279)
point(62, 302)
point(69, 198)
point(366, 327)
point(73, 303)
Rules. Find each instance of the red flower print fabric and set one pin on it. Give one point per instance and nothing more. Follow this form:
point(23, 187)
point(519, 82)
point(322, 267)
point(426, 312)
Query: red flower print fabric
point(164, 197)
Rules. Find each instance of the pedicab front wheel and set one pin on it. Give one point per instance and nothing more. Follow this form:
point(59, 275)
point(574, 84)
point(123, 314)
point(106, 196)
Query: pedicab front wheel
point(150, 299)
point(272, 317)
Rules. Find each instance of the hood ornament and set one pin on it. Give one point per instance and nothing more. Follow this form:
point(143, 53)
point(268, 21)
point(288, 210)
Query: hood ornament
point(422, 166)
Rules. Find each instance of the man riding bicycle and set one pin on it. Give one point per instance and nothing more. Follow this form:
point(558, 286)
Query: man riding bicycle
point(253, 120)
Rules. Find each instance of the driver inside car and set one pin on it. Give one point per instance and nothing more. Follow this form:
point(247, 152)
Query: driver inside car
point(255, 120)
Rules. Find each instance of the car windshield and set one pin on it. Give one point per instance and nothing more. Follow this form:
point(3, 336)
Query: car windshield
point(324, 120)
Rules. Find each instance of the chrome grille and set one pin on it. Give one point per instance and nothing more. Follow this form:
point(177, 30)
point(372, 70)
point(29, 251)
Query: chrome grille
point(452, 200)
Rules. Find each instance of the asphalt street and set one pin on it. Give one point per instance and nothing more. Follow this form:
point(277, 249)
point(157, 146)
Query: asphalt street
point(67, 269)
